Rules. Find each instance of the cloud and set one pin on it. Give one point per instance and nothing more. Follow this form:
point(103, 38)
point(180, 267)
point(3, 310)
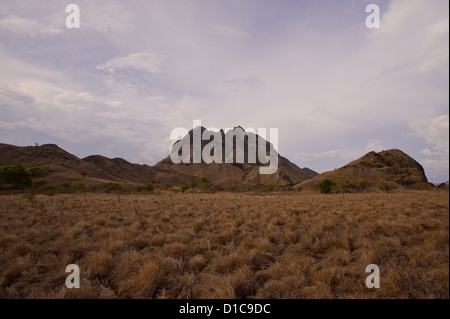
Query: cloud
point(334, 88)
point(106, 16)
point(230, 32)
point(436, 170)
point(435, 131)
point(24, 26)
point(144, 61)
point(427, 152)
point(342, 152)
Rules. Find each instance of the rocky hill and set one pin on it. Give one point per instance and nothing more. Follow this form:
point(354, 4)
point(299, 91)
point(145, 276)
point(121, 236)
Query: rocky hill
point(386, 170)
point(239, 174)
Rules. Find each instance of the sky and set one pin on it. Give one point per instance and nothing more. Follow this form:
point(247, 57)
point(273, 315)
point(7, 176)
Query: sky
point(135, 70)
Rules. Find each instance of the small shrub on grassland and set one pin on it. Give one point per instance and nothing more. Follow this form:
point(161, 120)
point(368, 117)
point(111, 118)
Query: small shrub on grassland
point(110, 186)
point(149, 187)
point(325, 186)
point(16, 175)
point(50, 187)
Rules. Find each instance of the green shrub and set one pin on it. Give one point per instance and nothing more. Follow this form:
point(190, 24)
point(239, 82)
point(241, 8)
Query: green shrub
point(353, 185)
point(16, 175)
point(360, 184)
point(110, 186)
point(74, 186)
point(325, 186)
point(343, 183)
point(147, 187)
point(202, 180)
point(83, 173)
point(50, 187)
point(35, 170)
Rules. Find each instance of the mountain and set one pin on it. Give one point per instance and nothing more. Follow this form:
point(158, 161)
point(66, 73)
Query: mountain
point(237, 174)
point(123, 170)
point(391, 169)
point(62, 167)
point(442, 185)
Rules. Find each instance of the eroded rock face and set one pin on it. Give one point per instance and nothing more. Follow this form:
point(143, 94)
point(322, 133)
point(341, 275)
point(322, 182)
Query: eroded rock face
point(394, 165)
point(239, 175)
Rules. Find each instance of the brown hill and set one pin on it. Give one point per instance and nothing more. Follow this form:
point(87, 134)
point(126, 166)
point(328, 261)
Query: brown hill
point(60, 166)
point(391, 169)
point(123, 170)
point(241, 175)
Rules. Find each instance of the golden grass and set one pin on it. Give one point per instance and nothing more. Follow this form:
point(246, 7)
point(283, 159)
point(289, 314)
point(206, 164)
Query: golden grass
point(225, 245)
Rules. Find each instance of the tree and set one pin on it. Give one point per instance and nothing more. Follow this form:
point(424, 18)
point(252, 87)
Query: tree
point(325, 186)
point(16, 175)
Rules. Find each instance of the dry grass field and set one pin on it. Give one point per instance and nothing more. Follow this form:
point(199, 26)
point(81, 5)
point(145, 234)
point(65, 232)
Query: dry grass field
point(225, 245)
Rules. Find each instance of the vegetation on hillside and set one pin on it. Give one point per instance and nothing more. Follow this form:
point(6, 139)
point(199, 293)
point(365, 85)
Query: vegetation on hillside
point(15, 175)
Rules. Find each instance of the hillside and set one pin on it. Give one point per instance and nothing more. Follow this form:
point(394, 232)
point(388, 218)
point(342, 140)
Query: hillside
point(386, 170)
point(63, 167)
point(60, 166)
point(239, 174)
point(126, 171)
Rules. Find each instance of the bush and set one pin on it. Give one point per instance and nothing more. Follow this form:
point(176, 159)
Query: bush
point(202, 179)
point(110, 186)
point(325, 186)
point(360, 184)
point(343, 183)
point(35, 170)
point(74, 186)
point(148, 187)
point(353, 185)
point(49, 187)
point(16, 175)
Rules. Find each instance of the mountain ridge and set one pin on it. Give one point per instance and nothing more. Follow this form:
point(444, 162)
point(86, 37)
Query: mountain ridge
point(62, 166)
point(386, 170)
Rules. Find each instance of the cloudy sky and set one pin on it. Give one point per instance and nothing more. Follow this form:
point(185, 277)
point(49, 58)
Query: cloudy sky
point(135, 70)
